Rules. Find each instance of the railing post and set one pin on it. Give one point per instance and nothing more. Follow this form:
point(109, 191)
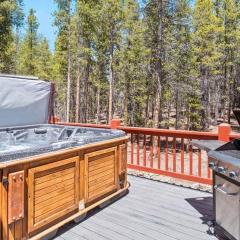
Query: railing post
point(224, 131)
point(115, 123)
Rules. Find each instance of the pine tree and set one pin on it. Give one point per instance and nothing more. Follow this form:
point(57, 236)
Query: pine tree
point(206, 50)
point(111, 19)
point(179, 61)
point(63, 58)
point(28, 52)
point(131, 70)
point(44, 60)
point(11, 15)
point(86, 24)
point(231, 37)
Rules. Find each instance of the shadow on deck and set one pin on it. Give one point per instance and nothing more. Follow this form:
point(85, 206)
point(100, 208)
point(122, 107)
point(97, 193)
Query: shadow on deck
point(151, 210)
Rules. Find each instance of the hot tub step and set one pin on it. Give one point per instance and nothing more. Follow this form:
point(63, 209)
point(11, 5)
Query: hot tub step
point(80, 218)
point(50, 235)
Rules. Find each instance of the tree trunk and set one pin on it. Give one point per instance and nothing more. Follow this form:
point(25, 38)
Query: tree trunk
point(110, 101)
point(157, 103)
point(85, 96)
point(236, 102)
point(217, 101)
point(176, 108)
point(69, 81)
point(204, 98)
point(126, 97)
point(78, 76)
point(158, 67)
point(98, 102)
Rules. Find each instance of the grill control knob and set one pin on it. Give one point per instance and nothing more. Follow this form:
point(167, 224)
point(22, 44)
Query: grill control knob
point(221, 169)
point(232, 174)
point(211, 165)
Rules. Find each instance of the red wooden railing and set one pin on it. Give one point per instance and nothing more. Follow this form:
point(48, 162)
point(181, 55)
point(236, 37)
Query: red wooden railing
point(168, 152)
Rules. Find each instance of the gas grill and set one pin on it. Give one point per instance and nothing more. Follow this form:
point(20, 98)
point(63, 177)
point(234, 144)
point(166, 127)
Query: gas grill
point(225, 163)
point(224, 160)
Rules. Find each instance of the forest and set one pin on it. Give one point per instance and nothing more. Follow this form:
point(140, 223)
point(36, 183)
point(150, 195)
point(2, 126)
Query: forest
point(152, 63)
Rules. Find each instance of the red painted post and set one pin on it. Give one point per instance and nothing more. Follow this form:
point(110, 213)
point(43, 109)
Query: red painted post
point(115, 123)
point(224, 131)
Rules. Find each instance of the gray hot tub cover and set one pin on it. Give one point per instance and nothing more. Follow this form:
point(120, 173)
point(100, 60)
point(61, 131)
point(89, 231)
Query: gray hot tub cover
point(24, 101)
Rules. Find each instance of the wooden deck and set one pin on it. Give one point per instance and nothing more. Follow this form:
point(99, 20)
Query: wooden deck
point(151, 210)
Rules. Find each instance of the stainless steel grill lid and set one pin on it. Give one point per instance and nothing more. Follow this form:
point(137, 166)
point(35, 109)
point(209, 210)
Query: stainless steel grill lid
point(228, 153)
point(24, 101)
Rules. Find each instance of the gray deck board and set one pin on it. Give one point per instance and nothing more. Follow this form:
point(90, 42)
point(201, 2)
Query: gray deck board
point(151, 210)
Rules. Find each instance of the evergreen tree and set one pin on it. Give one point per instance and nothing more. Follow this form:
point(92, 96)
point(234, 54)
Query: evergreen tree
point(11, 16)
point(28, 52)
point(206, 50)
point(44, 60)
point(62, 57)
point(131, 70)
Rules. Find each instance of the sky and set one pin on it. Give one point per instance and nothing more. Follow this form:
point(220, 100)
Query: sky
point(44, 12)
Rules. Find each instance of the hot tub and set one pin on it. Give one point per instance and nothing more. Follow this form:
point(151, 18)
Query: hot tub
point(51, 174)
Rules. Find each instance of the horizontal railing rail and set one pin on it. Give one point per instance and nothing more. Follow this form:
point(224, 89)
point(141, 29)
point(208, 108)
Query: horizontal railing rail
point(168, 152)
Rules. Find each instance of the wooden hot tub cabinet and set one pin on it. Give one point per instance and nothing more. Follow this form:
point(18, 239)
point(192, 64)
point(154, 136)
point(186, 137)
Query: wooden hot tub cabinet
point(40, 194)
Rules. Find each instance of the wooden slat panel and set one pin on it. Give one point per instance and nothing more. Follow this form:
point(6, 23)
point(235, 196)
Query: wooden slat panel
point(93, 192)
point(53, 191)
point(97, 159)
point(98, 194)
point(50, 183)
point(52, 201)
point(99, 166)
point(100, 170)
point(98, 162)
point(101, 176)
point(53, 194)
point(65, 208)
point(61, 185)
point(53, 206)
point(53, 171)
point(110, 180)
point(54, 176)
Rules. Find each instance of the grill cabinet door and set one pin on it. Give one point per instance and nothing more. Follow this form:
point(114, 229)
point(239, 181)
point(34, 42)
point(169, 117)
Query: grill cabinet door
point(53, 191)
point(227, 206)
point(101, 172)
